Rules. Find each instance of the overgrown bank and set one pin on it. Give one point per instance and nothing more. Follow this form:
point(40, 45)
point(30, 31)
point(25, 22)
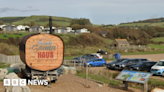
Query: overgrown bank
point(109, 78)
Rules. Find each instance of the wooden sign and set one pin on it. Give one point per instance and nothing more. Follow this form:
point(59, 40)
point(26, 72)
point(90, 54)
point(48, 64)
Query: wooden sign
point(44, 52)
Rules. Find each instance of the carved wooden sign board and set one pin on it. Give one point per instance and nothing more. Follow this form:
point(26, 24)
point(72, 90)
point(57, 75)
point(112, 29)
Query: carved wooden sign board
point(44, 52)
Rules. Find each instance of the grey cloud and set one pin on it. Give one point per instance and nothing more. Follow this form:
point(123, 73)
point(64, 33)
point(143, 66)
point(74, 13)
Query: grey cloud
point(7, 9)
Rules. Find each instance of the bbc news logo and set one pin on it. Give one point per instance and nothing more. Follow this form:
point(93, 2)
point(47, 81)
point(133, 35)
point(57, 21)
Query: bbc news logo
point(22, 82)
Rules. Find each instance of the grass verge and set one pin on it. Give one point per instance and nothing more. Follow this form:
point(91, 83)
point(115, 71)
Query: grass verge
point(156, 46)
point(109, 78)
point(3, 65)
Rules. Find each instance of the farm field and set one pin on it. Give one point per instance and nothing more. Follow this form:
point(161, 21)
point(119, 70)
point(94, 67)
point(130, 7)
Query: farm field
point(156, 46)
point(20, 35)
point(158, 39)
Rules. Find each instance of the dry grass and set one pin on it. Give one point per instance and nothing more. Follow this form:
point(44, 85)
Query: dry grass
point(8, 49)
point(109, 78)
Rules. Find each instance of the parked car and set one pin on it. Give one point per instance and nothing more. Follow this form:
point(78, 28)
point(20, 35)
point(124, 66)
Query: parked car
point(112, 64)
point(96, 62)
point(125, 64)
point(158, 68)
point(98, 55)
point(102, 52)
point(86, 56)
point(143, 66)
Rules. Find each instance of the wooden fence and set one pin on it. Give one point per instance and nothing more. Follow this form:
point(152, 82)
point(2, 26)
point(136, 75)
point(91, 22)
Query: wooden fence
point(10, 59)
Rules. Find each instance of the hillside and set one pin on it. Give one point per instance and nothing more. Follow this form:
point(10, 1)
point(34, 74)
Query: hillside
point(143, 23)
point(39, 20)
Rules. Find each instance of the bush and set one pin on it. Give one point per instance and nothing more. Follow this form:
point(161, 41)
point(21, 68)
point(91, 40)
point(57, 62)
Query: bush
point(88, 40)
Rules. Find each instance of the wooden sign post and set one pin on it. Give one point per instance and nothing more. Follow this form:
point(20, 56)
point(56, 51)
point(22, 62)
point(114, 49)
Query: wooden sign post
point(86, 72)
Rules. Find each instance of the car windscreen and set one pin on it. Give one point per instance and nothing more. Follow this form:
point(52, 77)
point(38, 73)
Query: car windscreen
point(89, 59)
point(160, 63)
point(125, 61)
point(140, 63)
point(115, 60)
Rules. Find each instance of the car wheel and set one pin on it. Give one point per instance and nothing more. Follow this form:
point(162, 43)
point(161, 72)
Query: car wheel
point(103, 65)
point(163, 74)
point(90, 65)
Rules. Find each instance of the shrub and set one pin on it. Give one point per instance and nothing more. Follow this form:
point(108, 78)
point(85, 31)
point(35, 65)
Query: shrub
point(88, 40)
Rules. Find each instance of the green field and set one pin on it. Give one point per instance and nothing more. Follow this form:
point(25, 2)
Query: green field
point(43, 20)
point(156, 46)
point(109, 40)
point(158, 39)
point(20, 35)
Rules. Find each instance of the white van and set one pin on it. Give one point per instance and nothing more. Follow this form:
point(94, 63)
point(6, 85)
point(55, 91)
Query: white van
point(158, 68)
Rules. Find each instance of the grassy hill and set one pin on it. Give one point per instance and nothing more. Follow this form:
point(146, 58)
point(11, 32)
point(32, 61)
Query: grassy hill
point(39, 20)
point(149, 22)
point(11, 19)
point(65, 21)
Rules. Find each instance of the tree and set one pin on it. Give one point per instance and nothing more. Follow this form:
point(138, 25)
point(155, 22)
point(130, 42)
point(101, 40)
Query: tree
point(76, 26)
point(32, 23)
point(81, 21)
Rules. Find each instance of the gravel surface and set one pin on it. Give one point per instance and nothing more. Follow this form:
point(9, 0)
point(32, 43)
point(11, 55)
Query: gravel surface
point(153, 57)
point(72, 83)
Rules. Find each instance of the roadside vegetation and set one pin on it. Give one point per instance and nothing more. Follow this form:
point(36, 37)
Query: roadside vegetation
point(3, 65)
point(8, 49)
point(109, 78)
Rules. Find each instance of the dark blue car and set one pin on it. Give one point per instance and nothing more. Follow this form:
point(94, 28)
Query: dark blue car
point(112, 64)
point(96, 62)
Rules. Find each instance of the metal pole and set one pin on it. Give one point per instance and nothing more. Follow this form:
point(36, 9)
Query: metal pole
point(50, 24)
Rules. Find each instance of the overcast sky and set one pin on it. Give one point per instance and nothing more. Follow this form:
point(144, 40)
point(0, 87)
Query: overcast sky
point(98, 11)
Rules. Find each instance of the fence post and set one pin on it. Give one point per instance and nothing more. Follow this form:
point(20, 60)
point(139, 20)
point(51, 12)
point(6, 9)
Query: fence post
point(74, 63)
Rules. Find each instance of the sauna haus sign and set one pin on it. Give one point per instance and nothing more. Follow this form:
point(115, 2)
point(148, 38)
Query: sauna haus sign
point(44, 48)
point(43, 52)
